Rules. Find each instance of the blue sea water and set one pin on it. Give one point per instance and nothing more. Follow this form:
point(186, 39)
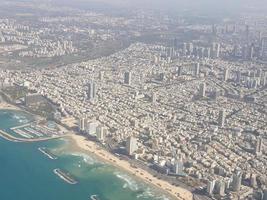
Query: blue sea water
point(27, 174)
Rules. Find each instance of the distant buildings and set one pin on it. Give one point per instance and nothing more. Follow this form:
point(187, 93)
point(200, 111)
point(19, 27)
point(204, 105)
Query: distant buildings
point(179, 70)
point(264, 48)
point(221, 118)
point(91, 91)
point(197, 68)
point(258, 148)
point(202, 92)
point(225, 75)
point(127, 78)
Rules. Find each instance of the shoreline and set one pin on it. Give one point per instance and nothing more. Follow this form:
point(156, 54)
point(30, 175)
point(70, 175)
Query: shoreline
point(81, 143)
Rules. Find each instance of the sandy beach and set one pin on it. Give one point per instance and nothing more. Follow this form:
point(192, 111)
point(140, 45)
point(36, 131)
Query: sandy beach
point(81, 143)
point(92, 148)
point(4, 105)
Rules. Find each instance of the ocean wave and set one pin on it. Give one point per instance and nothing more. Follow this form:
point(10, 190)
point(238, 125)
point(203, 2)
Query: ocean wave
point(85, 158)
point(145, 191)
point(129, 182)
point(149, 193)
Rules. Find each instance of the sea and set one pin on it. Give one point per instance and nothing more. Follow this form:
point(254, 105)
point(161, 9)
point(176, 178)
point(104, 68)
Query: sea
point(27, 174)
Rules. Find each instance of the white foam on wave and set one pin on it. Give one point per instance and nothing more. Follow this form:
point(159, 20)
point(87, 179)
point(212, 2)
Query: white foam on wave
point(85, 158)
point(135, 186)
point(129, 182)
point(148, 193)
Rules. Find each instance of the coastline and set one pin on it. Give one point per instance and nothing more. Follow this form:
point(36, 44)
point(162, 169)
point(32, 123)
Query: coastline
point(7, 106)
point(80, 143)
point(87, 146)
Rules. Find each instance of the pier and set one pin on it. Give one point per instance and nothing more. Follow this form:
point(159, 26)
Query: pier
point(47, 153)
point(65, 176)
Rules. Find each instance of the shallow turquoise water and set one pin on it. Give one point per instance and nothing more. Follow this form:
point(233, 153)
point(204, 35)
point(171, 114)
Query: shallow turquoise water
point(27, 174)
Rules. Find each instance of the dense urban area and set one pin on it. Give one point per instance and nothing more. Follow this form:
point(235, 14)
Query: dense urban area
point(182, 98)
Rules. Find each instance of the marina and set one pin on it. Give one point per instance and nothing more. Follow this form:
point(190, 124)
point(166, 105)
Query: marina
point(65, 176)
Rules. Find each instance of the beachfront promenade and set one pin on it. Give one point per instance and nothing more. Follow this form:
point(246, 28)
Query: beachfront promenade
point(90, 147)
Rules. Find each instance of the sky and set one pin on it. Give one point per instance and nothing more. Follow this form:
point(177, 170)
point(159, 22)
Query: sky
point(181, 4)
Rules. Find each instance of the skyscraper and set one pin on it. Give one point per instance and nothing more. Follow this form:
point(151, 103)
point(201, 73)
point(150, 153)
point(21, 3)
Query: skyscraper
point(178, 167)
point(82, 124)
point(179, 70)
point(221, 119)
point(101, 132)
point(131, 145)
point(264, 48)
point(202, 92)
point(127, 78)
point(197, 67)
point(221, 188)
point(225, 74)
point(91, 91)
point(210, 187)
point(236, 183)
point(217, 50)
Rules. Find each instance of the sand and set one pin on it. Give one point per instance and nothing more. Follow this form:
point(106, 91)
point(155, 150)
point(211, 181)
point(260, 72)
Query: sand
point(93, 148)
point(7, 106)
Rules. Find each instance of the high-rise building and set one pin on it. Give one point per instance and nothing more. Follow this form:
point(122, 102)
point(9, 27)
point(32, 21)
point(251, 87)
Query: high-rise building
point(197, 67)
point(184, 49)
point(264, 48)
point(217, 50)
point(221, 119)
point(265, 194)
point(238, 76)
point(236, 182)
point(210, 187)
point(127, 78)
point(101, 75)
point(179, 70)
point(178, 167)
point(91, 127)
point(258, 148)
point(225, 74)
point(202, 92)
point(190, 48)
point(153, 97)
point(131, 145)
point(91, 91)
point(221, 188)
point(101, 132)
point(82, 124)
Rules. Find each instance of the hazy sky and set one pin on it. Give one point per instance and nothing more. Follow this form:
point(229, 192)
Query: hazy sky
point(183, 4)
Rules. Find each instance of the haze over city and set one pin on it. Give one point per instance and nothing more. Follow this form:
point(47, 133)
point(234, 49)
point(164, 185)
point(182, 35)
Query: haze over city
point(133, 99)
